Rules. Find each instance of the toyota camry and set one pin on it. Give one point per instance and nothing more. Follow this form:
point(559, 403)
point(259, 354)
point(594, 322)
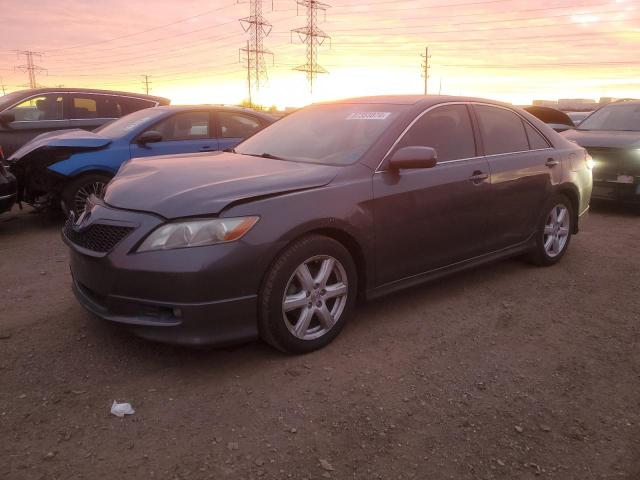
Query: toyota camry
point(337, 202)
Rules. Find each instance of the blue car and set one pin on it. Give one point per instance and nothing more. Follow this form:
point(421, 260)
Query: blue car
point(66, 167)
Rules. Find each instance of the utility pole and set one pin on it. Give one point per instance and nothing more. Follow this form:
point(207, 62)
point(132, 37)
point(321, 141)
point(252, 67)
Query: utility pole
point(426, 68)
point(254, 53)
point(2, 85)
point(145, 83)
point(30, 67)
point(249, 75)
point(313, 37)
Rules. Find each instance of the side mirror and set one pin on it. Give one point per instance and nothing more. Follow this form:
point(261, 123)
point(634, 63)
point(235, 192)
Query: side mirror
point(6, 118)
point(150, 136)
point(413, 157)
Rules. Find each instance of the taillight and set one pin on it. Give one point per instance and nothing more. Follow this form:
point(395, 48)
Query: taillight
point(1, 154)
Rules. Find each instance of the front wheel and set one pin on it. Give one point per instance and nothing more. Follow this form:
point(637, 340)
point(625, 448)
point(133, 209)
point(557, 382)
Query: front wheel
point(308, 295)
point(76, 193)
point(554, 232)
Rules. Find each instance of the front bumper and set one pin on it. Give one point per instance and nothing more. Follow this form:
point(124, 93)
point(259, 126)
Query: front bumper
point(190, 296)
point(220, 323)
point(619, 192)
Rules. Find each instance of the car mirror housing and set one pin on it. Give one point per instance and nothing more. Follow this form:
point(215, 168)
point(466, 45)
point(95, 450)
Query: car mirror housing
point(150, 136)
point(6, 118)
point(413, 157)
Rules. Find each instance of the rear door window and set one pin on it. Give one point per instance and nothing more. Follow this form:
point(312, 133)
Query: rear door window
point(129, 105)
point(40, 108)
point(447, 129)
point(237, 125)
point(502, 130)
point(184, 126)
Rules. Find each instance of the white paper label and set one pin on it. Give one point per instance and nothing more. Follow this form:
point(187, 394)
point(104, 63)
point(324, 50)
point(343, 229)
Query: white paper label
point(368, 116)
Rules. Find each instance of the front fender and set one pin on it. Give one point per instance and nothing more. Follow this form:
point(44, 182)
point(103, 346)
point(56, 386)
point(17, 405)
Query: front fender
point(107, 161)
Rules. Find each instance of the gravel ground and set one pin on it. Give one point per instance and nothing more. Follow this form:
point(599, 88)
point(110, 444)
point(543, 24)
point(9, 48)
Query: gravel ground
point(508, 371)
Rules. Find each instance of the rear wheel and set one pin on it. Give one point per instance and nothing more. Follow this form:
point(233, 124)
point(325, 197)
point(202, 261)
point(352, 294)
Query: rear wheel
point(308, 295)
point(76, 193)
point(554, 232)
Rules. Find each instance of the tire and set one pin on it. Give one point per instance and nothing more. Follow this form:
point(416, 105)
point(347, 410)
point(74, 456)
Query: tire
point(326, 309)
point(553, 236)
point(75, 193)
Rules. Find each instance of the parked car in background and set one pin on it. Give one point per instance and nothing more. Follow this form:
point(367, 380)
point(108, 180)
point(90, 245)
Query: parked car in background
point(612, 136)
point(556, 119)
point(8, 187)
point(362, 197)
point(70, 166)
point(577, 117)
point(27, 113)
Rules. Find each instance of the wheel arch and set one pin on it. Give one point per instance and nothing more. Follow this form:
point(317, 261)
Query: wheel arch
point(342, 236)
point(571, 192)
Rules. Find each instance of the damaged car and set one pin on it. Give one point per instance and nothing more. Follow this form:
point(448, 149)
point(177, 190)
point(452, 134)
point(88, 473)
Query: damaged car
point(612, 136)
point(278, 237)
point(65, 168)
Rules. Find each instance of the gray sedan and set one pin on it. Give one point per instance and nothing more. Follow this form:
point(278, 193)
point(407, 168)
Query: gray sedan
point(338, 201)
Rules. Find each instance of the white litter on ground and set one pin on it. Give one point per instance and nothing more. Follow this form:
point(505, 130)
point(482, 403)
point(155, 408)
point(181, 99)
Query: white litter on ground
point(121, 409)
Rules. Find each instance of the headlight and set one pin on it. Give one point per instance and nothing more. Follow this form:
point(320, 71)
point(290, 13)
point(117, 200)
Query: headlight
point(590, 162)
point(197, 233)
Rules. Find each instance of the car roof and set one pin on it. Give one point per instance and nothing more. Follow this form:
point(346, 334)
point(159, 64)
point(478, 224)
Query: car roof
point(424, 100)
point(36, 91)
point(225, 108)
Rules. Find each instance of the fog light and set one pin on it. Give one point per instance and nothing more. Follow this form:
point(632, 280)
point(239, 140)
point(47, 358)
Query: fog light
point(177, 312)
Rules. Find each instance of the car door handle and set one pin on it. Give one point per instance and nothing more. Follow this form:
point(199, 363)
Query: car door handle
point(206, 148)
point(552, 162)
point(478, 176)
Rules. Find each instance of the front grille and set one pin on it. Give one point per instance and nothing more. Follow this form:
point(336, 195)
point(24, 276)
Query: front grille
point(98, 237)
point(611, 162)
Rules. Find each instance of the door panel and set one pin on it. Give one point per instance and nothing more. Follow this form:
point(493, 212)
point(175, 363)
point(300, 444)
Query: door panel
point(429, 218)
point(521, 181)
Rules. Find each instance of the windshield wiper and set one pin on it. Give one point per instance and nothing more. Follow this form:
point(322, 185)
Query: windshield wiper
point(230, 150)
point(270, 156)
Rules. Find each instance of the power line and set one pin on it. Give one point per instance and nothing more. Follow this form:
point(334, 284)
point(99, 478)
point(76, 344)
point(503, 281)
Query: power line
point(313, 37)
point(157, 27)
point(30, 67)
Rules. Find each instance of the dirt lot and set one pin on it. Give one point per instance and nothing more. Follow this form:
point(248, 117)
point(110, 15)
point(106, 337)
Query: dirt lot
point(508, 371)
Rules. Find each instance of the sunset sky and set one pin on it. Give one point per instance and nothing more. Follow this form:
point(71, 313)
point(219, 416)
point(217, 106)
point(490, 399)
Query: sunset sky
point(511, 50)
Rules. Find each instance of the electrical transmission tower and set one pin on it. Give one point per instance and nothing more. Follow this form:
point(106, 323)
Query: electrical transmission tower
point(30, 67)
point(312, 36)
point(426, 67)
point(253, 54)
point(145, 83)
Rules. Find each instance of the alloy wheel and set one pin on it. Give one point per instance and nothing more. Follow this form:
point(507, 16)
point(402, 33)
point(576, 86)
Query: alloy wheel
point(315, 297)
point(556, 230)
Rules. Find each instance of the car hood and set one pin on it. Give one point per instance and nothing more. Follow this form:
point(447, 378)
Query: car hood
point(204, 184)
point(65, 138)
point(603, 139)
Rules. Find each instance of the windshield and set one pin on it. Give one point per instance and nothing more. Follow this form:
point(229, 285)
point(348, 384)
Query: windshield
point(10, 98)
point(617, 117)
point(337, 134)
point(128, 123)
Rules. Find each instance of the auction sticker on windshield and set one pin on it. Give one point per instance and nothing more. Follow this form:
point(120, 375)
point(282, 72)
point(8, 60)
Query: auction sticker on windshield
point(368, 116)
